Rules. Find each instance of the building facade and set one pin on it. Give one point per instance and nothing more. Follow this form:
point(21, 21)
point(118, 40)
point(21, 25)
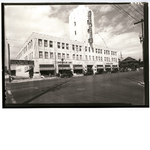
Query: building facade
point(53, 55)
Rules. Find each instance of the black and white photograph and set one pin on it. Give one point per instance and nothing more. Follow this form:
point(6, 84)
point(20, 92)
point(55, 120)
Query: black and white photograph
point(75, 75)
point(75, 54)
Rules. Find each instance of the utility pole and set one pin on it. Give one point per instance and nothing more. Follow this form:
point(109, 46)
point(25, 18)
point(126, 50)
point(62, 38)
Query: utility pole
point(142, 36)
point(9, 70)
point(145, 47)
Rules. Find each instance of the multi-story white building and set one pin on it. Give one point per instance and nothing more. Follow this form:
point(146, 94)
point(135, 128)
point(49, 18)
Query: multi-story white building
point(52, 54)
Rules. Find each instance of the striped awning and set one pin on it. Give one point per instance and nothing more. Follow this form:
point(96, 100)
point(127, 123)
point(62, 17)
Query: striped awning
point(114, 66)
point(64, 67)
point(99, 66)
point(107, 66)
point(46, 67)
point(77, 67)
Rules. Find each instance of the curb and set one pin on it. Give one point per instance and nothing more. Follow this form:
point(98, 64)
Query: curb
point(19, 81)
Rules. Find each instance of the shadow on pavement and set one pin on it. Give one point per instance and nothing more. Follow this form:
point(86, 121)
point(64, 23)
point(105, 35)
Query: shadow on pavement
point(51, 89)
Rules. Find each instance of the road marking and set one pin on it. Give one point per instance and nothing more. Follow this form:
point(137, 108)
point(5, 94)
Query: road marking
point(81, 89)
point(11, 97)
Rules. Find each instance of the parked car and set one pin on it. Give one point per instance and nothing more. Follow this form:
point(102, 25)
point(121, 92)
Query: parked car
point(88, 73)
point(67, 74)
point(114, 71)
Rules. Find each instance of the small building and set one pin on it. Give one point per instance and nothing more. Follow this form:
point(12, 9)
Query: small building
point(129, 63)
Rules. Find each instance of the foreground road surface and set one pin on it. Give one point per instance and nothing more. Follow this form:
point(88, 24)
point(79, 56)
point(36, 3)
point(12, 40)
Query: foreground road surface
point(105, 88)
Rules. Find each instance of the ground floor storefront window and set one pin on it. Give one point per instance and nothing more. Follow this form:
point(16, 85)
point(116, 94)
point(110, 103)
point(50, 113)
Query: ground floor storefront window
point(108, 69)
point(100, 70)
point(78, 69)
point(47, 69)
point(47, 72)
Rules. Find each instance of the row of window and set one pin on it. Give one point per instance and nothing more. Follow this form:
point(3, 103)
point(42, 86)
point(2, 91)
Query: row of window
point(29, 57)
point(25, 49)
point(63, 46)
point(74, 47)
point(108, 59)
point(114, 59)
point(75, 57)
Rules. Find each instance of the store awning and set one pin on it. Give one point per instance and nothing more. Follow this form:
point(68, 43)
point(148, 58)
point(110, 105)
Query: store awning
point(64, 67)
point(107, 66)
point(46, 67)
point(99, 66)
point(114, 66)
point(77, 67)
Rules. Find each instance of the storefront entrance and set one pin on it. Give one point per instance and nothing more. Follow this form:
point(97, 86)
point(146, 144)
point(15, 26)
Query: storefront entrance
point(78, 69)
point(47, 70)
point(63, 68)
point(108, 68)
point(100, 69)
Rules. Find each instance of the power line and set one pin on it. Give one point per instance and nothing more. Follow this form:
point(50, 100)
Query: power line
point(136, 10)
point(126, 12)
point(141, 8)
point(103, 40)
point(122, 13)
point(131, 9)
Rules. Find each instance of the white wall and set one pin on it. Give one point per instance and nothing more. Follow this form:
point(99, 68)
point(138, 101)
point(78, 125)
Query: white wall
point(21, 71)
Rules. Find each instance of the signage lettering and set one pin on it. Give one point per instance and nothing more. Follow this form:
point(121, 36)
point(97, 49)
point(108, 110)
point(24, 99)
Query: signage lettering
point(21, 62)
point(90, 28)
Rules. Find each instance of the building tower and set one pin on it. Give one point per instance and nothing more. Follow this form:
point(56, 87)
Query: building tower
point(81, 25)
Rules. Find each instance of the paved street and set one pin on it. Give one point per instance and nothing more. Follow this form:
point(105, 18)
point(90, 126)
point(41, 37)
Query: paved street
point(105, 88)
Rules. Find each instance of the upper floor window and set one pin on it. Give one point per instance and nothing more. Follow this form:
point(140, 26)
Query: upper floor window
point(40, 42)
point(93, 49)
point(93, 57)
point(101, 51)
point(80, 48)
point(77, 57)
point(58, 44)
point(86, 57)
point(72, 47)
point(45, 43)
point(73, 56)
point(63, 45)
point(86, 48)
point(75, 32)
point(96, 50)
point(89, 57)
point(50, 43)
point(89, 49)
point(59, 56)
point(76, 47)
point(67, 56)
point(40, 54)
point(46, 55)
point(67, 46)
point(51, 55)
point(63, 55)
point(74, 23)
point(80, 57)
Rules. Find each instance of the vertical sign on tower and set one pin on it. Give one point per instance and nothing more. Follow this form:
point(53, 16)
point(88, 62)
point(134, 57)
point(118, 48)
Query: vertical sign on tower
point(90, 28)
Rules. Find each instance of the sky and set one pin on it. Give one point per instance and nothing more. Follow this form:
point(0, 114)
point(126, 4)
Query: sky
point(113, 29)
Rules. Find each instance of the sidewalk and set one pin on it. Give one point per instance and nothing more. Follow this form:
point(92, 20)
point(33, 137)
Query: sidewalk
point(32, 79)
